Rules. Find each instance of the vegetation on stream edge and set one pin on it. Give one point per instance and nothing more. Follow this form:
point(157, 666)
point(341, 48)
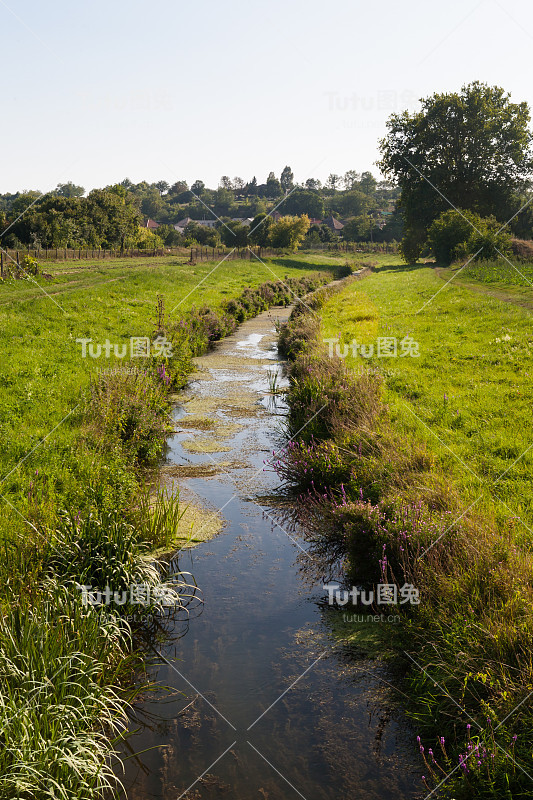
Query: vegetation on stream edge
point(77, 515)
point(388, 507)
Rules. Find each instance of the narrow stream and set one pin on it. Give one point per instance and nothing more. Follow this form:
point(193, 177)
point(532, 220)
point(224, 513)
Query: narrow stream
point(265, 705)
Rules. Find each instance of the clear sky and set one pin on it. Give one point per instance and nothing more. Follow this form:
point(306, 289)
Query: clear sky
point(100, 90)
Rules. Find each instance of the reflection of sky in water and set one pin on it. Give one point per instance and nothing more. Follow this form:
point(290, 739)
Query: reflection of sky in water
point(262, 624)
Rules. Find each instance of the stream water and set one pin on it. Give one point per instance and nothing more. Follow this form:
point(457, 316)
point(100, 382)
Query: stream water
point(264, 703)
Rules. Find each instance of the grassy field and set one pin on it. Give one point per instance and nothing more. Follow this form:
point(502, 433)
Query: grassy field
point(468, 394)
point(44, 375)
point(416, 469)
point(79, 438)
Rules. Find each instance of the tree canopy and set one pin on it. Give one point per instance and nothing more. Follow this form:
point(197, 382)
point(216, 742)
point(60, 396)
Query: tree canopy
point(470, 149)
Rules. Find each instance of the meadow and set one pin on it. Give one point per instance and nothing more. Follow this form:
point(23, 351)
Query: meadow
point(415, 467)
point(82, 438)
point(468, 394)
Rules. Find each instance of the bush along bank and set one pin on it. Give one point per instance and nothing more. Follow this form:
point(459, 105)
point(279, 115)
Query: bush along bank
point(81, 595)
point(379, 508)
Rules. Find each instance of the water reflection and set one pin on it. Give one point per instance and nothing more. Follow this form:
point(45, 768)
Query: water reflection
point(264, 700)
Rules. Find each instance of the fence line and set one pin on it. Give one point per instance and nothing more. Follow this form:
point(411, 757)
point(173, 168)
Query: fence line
point(9, 257)
point(354, 247)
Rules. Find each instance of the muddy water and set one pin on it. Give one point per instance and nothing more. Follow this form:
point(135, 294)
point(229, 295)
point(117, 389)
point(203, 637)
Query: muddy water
point(264, 703)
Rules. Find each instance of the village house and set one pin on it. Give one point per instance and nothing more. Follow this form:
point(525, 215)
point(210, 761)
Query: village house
point(335, 225)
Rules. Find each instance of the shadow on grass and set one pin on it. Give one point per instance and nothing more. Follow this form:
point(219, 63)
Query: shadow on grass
point(403, 267)
point(291, 263)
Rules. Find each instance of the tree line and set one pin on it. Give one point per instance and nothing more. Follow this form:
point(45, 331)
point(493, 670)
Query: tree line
point(114, 216)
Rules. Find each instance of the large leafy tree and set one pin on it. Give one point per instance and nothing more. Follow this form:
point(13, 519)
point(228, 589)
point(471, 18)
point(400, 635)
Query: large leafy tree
point(470, 149)
point(288, 232)
point(69, 190)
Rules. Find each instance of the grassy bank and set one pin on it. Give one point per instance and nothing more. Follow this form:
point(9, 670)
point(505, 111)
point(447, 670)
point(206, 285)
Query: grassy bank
point(78, 434)
point(416, 470)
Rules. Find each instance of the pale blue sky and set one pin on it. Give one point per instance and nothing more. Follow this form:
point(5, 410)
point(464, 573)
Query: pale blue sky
point(98, 91)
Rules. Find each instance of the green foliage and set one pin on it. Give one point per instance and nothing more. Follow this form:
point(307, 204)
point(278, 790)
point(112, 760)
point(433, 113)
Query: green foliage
point(288, 232)
point(105, 218)
point(58, 670)
point(358, 229)
point(287, 179)
point(259, 230)
point(131, 408)
point(301, 202)
point(30, 266)
point(464, 234)
point(388, 495)
point(273, 186)
point(349, 204)
point(472, 150)
point(234, 234)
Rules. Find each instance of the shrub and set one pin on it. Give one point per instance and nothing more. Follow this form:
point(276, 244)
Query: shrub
point(130, 409)
point(462, 234)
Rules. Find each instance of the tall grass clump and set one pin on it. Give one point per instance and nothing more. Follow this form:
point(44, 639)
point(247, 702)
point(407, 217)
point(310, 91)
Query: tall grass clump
point(130, 409)
point(158, 516)
point(105, 553)
point(60, 701)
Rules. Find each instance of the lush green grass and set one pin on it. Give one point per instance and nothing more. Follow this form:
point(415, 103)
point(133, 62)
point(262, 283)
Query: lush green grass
point(44, 376)
point(501, 272)
point(75, 444)
point(427, 482)
point(470, 387)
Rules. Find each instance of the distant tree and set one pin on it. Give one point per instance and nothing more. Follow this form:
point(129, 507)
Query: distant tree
point(475, 147)
point(145, 239)
point(320, 233)
point(358, 229)
point(122, 215)
point(463, 234)
point(202, 235)
point(126, 183)
point(24, 201)
point(288, 232)
point(351, 204)
point(273, 186)
point(326, 234)
point(224, 202)
point(169, 235)
point(392, 231)
point(251, 188)
point(162, 187)
point(368, 183)
point(302, 202)
point(198, 187)
point(226, 183)
point(313, 185)
point(238, 184)
point(350, 179)
point(69, 190)
point(178, 188)
point(152, 203)
point(234, 234)
point(333, 182)
point(259, 231)
point(287, 179)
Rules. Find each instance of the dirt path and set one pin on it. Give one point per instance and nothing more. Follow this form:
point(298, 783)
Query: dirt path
point(506, 296)
point(49, 290)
